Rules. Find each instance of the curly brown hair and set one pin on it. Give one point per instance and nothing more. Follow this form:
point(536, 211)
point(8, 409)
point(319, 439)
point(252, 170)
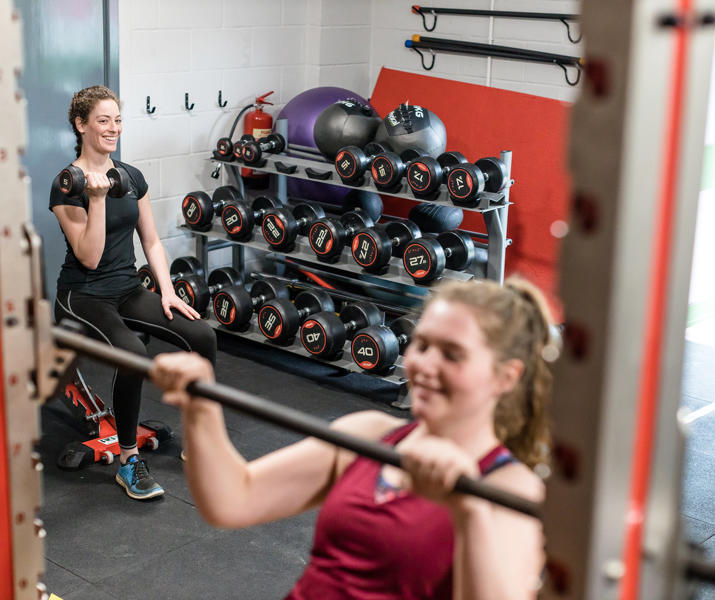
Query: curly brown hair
point(516, 324)
point(81, 106)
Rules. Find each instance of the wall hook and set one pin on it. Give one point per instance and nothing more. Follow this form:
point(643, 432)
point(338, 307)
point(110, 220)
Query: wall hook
point(186, 102)
point(149, 108)
point(221, 104)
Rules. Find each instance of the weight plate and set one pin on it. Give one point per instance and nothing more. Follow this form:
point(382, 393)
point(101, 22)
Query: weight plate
point(371, 248)
point(324, 237)
point(227, 193)
point(360, 314)
point(197, 208)
point(461, 246)
point(374, 348)
point(449, 159)
point(403, 327)
point(424, 175)
point(71, 181)
point(348, 161)
point(226, 307)
point(224, 277)
point(265, 203)
point(121, 182)
point(314, 301)
point(404, 231)
point(424, 260)
point(277, 141)
point(275, 227)
point(186, 264)
point(224, 146)
point(465, 182)
point(314, 338)
point(267, 289)
point(237, 221)
point(278, 320)
point(495, 171)
point(147, 279)
point(355, 219)
point(387, 169)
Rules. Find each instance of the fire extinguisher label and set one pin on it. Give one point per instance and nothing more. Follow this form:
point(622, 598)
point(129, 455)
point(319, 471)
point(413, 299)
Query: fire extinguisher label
point(259, 133)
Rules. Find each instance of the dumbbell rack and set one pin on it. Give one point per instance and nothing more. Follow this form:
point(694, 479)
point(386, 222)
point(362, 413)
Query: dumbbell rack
point(493, 207)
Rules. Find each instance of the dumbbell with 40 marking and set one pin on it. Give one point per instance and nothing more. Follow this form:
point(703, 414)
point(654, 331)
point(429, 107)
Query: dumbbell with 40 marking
point(72, 182)
point(324, 334)
point(376, 348)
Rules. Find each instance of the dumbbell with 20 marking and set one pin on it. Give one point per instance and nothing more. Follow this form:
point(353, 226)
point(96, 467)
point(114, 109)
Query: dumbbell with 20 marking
point(199, 208)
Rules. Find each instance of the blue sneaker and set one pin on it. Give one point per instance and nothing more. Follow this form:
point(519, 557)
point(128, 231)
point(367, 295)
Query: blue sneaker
point(135, 479)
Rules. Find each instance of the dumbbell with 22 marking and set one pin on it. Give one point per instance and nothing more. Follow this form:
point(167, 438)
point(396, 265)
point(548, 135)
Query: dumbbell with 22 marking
point(373, 247)
point(328, 236)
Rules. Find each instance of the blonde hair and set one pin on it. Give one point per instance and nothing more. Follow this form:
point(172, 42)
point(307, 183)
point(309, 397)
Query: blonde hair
point(516, 324)
point(81, 106)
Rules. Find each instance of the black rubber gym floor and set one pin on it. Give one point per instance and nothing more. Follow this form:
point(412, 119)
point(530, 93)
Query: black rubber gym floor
point(101, 545)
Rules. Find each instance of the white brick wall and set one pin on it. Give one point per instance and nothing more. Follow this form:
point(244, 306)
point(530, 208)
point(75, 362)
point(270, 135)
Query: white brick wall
point(246, 48)
point(393, 23)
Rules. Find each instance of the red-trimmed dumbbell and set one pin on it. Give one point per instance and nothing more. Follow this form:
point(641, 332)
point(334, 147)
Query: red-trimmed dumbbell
point(426, 174)
point(373, 247)
point(352, 162)
point(281, 225)
point(234, 306)
point(183, 265)
point(225, 147)
point(72, 182)
point(199, 208)
point(388, 169)
point(324, 333)
point(328, 236)
point(273, 143)
point(465, 182)
point(426, 258)
point(376, 348)
point(197, 292)
point(280, 319)
point(238, 219)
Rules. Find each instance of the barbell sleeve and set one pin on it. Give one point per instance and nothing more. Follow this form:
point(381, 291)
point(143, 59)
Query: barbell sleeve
point(283, 416)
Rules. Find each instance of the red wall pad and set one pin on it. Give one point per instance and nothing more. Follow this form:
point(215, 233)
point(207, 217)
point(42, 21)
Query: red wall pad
point(480, 122)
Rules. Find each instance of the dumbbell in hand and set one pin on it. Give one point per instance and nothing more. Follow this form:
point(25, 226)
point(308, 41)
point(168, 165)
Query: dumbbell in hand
point(328, 236)
point(238, 219)
point(72, 182)
point(465, 182)
point(388, 168)
point(197, 292)
point(183, 265)
point(425, 259)
point(376, 348)
point(324, 333)
point(426, 174)
point(199, 208)
point(253, 150)
point(234, 306)
point(373, 247)
point(280, 319)
point(281, 226)
point(352, 162)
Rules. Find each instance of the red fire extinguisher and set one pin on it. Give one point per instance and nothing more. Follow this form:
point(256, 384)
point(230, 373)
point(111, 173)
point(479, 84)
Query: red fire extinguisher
point(258, 124)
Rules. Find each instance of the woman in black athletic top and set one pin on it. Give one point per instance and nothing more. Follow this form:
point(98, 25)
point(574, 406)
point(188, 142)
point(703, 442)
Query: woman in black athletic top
point(98, 284)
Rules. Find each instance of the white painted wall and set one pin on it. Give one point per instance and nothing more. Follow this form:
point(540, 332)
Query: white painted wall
point(394, 22)
point(246, 48)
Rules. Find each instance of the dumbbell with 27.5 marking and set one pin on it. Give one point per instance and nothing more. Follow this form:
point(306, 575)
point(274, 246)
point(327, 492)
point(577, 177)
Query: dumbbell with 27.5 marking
point(238, 219)
point(352, 162)
point(252, 150)
point(72, 182)
point(373, 247)
point(426, 258)
point(376, 348)
point(197, 292)
point(280, 319)
point(328, 236)
point(184, 265)
point(199, 208)
point(281, 225)
point(324, 333)
point(466, 181)
point(234, 306)
point(426, 174)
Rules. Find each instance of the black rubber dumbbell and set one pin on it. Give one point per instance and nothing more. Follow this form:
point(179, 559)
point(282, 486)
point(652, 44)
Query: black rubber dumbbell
point(388, 169)
point(197, 292)
point(376, 348)
point(373, 247)
point(328, 236)
point(238, 219)
point(280, 319)
point(183, 265)
point(273, 143)
point(225, 147)
point(352, 162)
point(466, 182)
point(199, 208)
point(237, 149)
point(234, 306)
point(324, 333)
point(72, 182)
point(426, 258)
point(426, 174)
point(281, 225)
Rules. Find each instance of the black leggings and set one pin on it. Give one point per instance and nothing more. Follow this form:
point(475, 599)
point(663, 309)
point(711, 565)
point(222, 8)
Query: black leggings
point(109, 319)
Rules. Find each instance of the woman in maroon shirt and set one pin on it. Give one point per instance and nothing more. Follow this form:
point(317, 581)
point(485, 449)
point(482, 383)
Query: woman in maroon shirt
point(478, 384)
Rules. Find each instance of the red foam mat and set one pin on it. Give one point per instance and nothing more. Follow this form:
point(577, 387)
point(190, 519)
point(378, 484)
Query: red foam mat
point(482, 121)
